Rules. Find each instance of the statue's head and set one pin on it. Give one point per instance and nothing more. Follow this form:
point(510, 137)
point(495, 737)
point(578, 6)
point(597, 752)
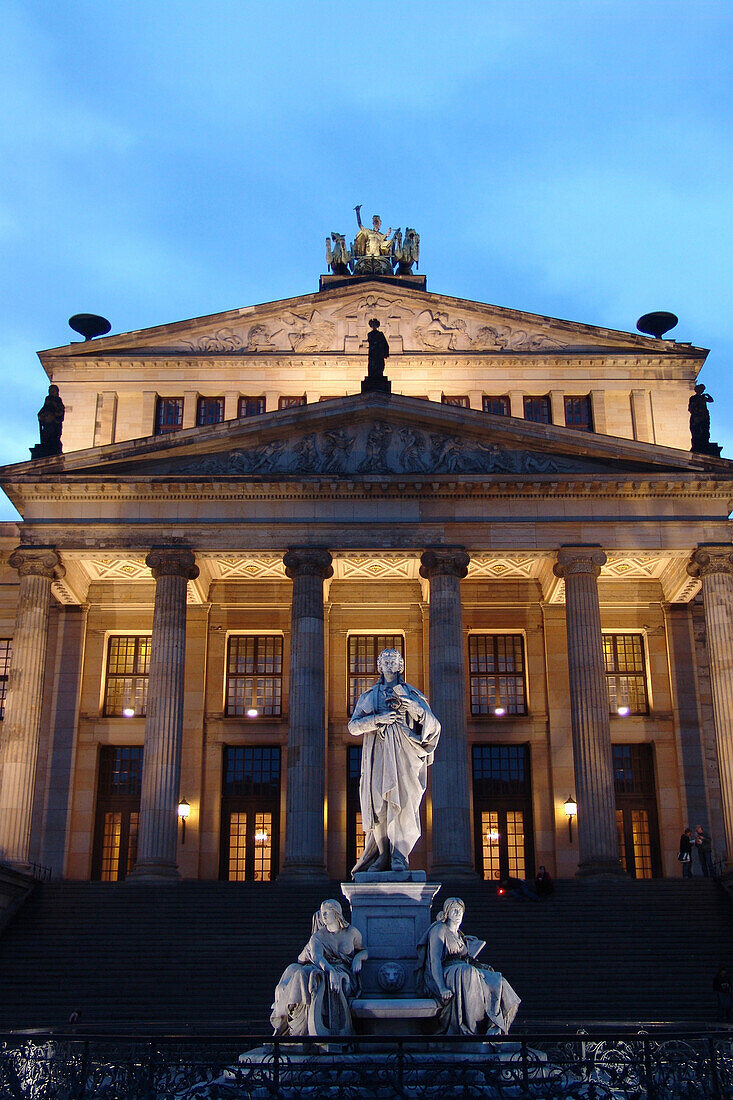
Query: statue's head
point(377, 222)
point(53, 391)
point(453, 909)
point(700, 388)
point(332, 916)
point(390, 660)
point(374, 323)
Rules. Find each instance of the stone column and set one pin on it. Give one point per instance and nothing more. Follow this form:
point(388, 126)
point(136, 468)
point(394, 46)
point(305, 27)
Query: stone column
point(714, 564)
point(158, 835)
point(450, 784)
point(21, 727)
point(304, 833)
point(597, 835)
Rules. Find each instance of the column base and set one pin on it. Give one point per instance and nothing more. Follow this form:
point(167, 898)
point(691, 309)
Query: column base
point(154, 871)
point(601, 870)
point(303, 872)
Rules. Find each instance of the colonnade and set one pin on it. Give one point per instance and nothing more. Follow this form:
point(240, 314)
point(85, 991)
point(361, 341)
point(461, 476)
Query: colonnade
point(308, 568)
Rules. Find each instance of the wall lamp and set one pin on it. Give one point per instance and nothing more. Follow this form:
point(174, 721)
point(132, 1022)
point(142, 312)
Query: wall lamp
point(183, 811)
point(571, 809)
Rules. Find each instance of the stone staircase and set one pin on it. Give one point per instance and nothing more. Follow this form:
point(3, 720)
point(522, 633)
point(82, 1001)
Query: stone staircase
point(211, 952)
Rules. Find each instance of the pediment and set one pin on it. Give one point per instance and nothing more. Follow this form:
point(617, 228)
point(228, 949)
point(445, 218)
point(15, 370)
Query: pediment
point(366, 436)
point(336, 321)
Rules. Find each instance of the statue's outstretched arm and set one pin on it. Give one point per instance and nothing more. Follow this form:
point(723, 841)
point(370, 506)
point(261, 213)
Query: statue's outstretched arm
point(358, 215)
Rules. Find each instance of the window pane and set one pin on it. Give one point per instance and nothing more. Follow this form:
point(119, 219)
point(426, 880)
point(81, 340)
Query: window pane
point(209, 410)
point(237, 847)
point(263, 847)
point(578, 414)
point(490, 844)
point(621, 838)
point(537, 409)
point(5, 653)
point(168, 415)
point(254, 675)
point(251, 406)
point(363, 650)
point(290, 402)
point(462, 400)
point(251, 771)
point(111, 847)
point(501, 771)
point(515, 842)
point(497, 673)
point(625, 672)
point(498, 406)
point(642, 844)
point(126, 689)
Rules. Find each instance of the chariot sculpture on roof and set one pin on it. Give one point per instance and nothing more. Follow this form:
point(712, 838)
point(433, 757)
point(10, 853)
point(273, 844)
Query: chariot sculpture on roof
point(373, 252)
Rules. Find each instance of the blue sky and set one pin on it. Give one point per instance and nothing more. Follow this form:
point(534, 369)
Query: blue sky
point(163, 160)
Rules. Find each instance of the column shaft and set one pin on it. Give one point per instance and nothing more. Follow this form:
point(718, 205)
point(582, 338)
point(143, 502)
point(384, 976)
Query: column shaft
point(21, 727)
point(158, 833)
point(597, 834)
point(450, 784)
point(715, 565)
point(306, 775)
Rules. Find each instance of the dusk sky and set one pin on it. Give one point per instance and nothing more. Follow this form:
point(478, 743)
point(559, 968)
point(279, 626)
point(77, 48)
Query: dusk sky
point(164, 160)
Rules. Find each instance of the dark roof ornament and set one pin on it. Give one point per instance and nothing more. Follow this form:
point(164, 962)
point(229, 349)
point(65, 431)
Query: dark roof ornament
point(89, 325)
point(656, 324)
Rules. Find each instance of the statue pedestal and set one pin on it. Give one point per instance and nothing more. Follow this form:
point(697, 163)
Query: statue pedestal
point(392, 917)
point(376, 385)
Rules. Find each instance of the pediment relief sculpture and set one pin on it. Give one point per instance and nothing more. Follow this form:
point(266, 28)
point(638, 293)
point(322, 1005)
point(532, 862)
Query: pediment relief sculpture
point(374, 447)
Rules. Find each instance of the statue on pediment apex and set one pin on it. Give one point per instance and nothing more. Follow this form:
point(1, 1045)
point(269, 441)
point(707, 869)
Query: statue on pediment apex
point(372, 249)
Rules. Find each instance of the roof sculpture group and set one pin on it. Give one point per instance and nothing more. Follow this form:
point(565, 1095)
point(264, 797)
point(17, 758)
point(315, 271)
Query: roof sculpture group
point(373, 252)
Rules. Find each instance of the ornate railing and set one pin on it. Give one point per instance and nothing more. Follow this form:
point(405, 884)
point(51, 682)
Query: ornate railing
point(642, 1065)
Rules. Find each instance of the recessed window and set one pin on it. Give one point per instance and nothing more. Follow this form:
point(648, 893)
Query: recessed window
point(254, 676)
point(363, 652)
point(251, 406)
point(460, 400)
point(290, 402)
point(578, 414)
point(497, 674)
point(209, 410)
point(625, 673)
point(126, 686)
point(537, 409)
point(5, 652)
point(497, 406)
point(168, 415)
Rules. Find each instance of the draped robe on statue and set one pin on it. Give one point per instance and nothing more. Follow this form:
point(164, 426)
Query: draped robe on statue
point(394, 766)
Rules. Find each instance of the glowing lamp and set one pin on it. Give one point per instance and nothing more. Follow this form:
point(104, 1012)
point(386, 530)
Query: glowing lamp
point(129, 712)
point(261, 837)
point(493, 836)
point(499, 711)
point(253, 712)
point(183, 811)
point(571, 809)
point(623, 711)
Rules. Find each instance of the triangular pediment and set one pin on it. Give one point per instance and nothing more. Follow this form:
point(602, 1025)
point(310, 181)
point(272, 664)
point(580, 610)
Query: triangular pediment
point(336, 321)
point(365, 436)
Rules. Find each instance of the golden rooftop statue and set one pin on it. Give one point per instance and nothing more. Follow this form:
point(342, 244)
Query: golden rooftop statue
point(373, 252)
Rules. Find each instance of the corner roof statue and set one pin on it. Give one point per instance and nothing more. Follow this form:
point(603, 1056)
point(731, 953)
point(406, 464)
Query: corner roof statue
point(373, 252)
point(50, 423)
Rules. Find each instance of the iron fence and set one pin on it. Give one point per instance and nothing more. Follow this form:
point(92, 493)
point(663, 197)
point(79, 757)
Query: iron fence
point(645, 1065)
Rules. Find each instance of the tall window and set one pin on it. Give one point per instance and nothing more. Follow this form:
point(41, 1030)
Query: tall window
point(537, 409)
point(5, 650)
point(289, 402)
point(625, 673)
point(578, 414)
point(250, 812)
point(251, 406)
point(636, 810)
point(209, 410)
point(363, 652)
point(126, 686)
point(497, 406)
point(168, 415)
point(118, 808)
point(254, 675)
point(497, 673)
point(461, 400)
point(502, 797)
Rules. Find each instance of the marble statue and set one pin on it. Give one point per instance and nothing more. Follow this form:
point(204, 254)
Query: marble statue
point(313, 995)
point(50, 422)
point(700, 419)
point(338, 258)
point(400, 736)
point(474, 997)
point(378, 350)
point(407, 252)
point(372, 249)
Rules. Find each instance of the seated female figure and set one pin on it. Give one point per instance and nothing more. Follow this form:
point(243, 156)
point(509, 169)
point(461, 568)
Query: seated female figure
point(475, 998)
point(313, 995)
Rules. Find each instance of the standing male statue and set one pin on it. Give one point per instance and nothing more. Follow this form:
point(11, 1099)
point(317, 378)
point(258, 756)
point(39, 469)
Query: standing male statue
point(50, 423)
point(400, 736)
point(372, 249)
point(697, 407)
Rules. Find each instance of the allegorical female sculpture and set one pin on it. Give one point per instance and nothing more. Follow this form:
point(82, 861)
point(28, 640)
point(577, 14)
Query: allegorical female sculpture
point(475, 998)
point(313, 996)
point(400, 734)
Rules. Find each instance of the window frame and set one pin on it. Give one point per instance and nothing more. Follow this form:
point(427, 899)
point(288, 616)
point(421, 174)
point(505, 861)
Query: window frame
point(201, 403)
point(165, 428)
point(109, 636)
point(641, 675)
point(458, 401)
point(503, 397)
point(583, 426)
point(473, 714)
point(246, 399)
point(288, 401)
point(257, 635)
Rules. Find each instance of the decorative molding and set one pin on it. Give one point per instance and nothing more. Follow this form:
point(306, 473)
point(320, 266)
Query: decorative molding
point(504, 566)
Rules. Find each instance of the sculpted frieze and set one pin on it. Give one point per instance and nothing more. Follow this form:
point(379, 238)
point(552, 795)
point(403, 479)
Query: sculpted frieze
point(375, 447)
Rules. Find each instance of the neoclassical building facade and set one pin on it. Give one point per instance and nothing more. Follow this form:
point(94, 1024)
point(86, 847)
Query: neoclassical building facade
point(201, 583)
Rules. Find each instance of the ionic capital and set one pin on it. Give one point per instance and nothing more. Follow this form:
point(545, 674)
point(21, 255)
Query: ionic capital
point(37, 563)
point(308, 562)
point(572, 560)
point(707, 560)
point(451, 563)
point(172, 563)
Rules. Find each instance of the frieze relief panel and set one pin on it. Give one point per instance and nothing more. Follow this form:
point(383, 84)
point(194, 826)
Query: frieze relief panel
point(343, 328)
point(373, 447)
